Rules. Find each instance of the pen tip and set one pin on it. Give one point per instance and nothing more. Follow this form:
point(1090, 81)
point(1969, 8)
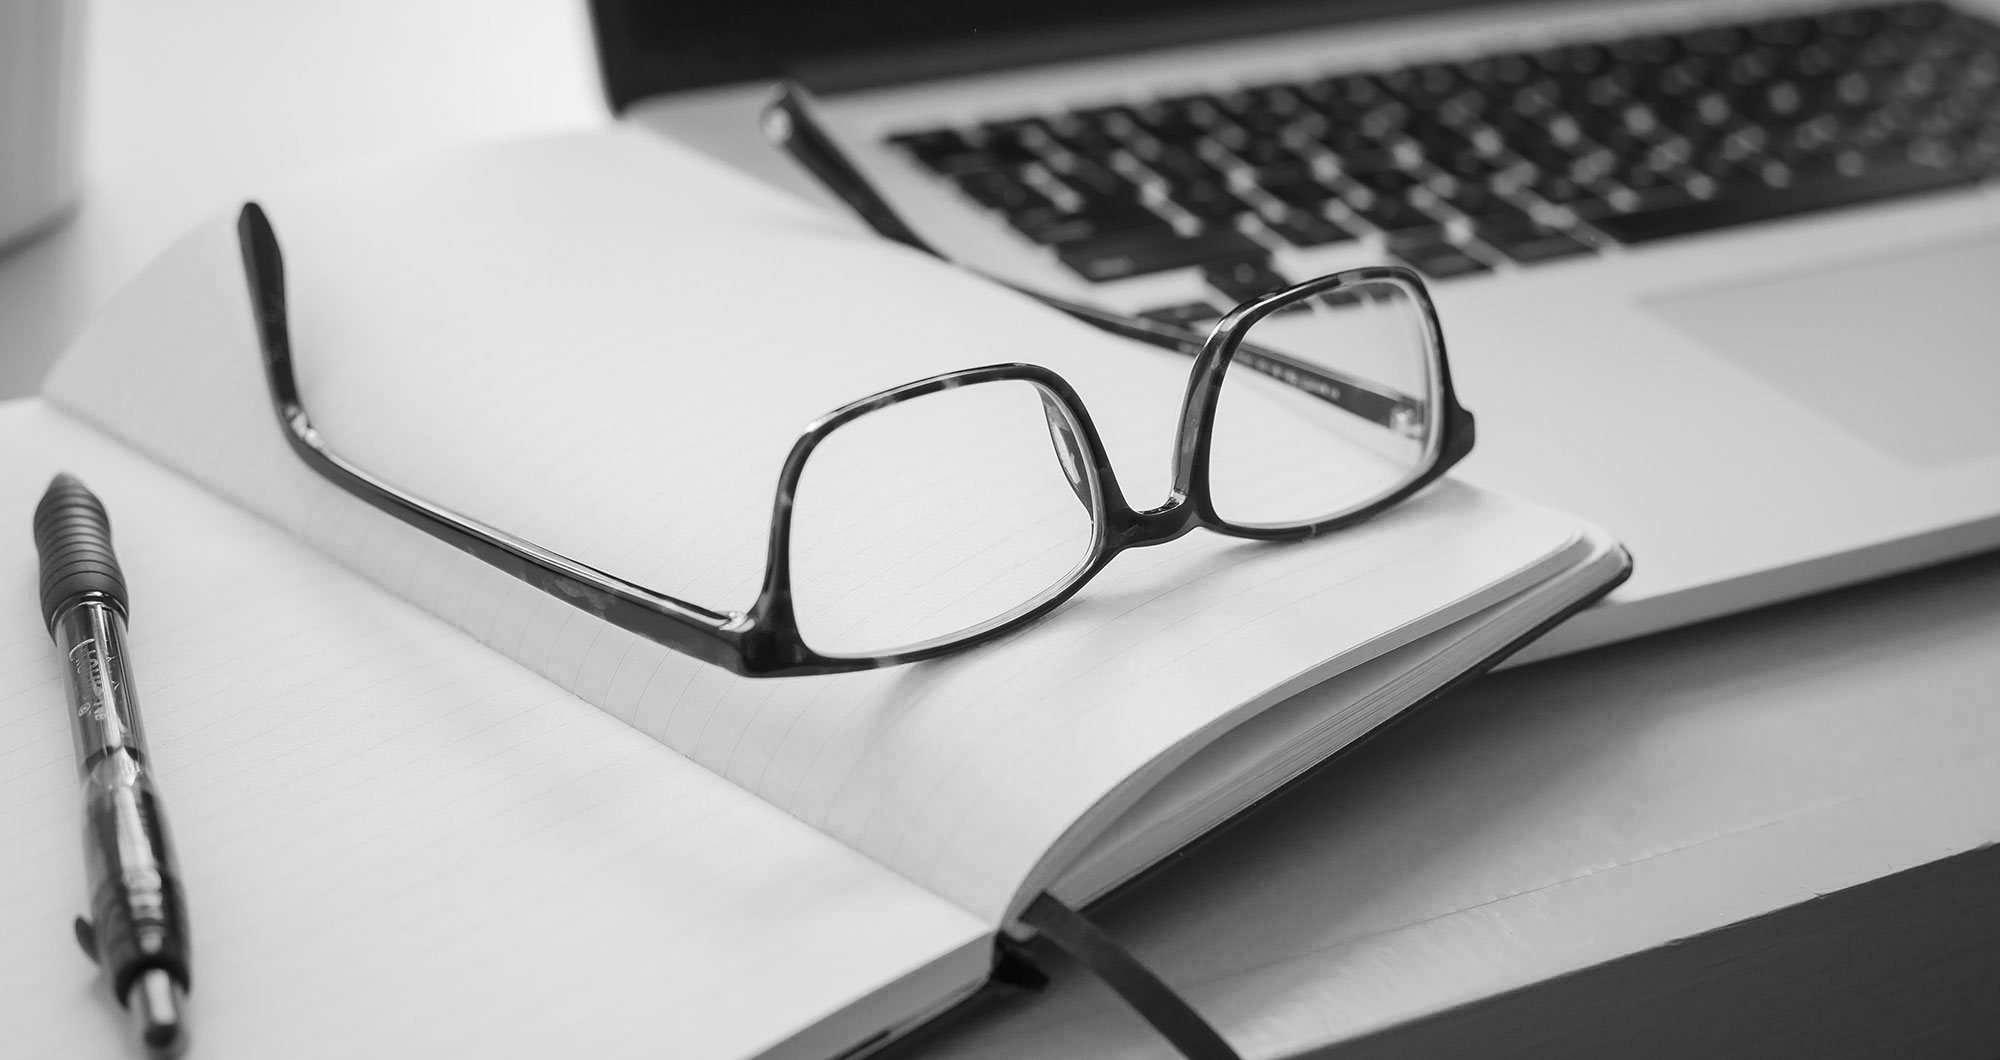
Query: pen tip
point(154, 1002)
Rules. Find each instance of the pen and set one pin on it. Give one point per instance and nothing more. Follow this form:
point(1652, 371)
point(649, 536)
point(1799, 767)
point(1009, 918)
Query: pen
point(137, 931)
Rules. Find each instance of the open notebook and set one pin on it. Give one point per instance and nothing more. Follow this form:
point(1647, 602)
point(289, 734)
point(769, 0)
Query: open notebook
point(425, 810)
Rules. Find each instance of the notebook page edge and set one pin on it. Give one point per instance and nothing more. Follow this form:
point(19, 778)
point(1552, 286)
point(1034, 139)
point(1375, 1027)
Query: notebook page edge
point(1115, 803)
point(1324, 721)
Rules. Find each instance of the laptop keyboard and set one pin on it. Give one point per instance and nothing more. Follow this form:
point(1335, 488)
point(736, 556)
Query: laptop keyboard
point(1518, 157)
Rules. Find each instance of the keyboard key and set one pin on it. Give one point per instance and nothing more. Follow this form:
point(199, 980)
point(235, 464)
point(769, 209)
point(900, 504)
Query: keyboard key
point(1438, 260)
point(1278, 98)
point(1015, 142)
point(1350, 90)
point(1739, 205)
point(1397, 217)
point(1180, 166)
point(1304, 194)
point(1386, 121)
point(1087, 142)
point(1480, 201)
point(943, 151)
point(1573, 60)
point(1114, 209)
point(1183, 121)
point(1466, 163)
point(1100, 218)
point(1005, 150)
point(1527, 242)
point(1624, 201)
point(1094, 181)
point(1265, 112)
point(1431, 82)
point(1273, 161)
point(1434, 138)
point(1559, 188)
point(1498, 71)
point(1304, 228)
point(1370, 158)
point(1000, 190)
point(1118, 255)
point(1208, 200)
point(1114, 121)
point(1244, 278)
point(1192, 315)
point(1390, 183)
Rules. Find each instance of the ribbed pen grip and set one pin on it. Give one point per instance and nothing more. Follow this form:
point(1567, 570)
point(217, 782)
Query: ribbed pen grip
point(74, 537)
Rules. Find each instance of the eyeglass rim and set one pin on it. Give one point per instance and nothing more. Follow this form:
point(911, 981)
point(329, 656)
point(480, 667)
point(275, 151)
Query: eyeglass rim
point(1450, 440)
point(775, 609)
point(766, 641)
point(1119, 526)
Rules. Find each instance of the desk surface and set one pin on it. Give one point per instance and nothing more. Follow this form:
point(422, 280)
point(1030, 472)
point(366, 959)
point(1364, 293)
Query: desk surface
point(188, 106)
point(1640, 835)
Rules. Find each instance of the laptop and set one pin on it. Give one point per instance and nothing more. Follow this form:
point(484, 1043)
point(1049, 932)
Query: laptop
point(1722, 276)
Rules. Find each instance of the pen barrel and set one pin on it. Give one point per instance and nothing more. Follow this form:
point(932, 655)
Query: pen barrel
point(104, 703)
point(139, 919)
point(138, 915)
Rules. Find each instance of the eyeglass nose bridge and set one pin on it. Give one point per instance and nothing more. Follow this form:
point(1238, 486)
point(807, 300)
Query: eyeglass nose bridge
point(1155, 526)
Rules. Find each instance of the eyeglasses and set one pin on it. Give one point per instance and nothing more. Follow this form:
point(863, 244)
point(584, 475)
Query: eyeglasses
point(949, 511)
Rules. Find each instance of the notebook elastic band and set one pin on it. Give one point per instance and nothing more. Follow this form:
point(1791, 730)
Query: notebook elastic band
point(1155, 1002)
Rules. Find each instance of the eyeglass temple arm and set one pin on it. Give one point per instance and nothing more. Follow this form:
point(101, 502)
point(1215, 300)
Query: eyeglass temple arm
point(685, 627)
point(789, 122)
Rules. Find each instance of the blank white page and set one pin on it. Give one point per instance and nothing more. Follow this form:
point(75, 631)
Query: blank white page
point(397, 842)
point(607, 346)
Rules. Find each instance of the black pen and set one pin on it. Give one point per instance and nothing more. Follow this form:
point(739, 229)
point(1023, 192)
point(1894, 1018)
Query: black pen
point(138, 928)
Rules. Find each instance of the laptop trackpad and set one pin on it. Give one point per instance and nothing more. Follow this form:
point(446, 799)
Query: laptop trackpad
point(1903, 350)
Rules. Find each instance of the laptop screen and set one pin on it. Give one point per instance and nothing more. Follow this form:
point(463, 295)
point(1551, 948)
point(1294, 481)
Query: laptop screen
point(649, 47)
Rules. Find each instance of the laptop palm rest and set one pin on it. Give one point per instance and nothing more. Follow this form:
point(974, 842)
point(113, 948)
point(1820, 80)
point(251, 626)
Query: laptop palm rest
point(1901, 350)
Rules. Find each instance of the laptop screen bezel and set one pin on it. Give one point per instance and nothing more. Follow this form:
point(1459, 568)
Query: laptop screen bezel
point(643, 51)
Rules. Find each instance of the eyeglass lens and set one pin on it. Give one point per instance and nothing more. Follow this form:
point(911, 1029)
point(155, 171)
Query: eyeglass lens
point(1292, 448)
point(937, 516)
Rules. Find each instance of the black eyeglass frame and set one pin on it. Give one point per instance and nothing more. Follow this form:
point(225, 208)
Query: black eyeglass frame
point(765, 641)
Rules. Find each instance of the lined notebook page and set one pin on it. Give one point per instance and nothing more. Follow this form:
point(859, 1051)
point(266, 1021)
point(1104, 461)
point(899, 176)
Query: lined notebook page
point(397, 842)
point(607, 346)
